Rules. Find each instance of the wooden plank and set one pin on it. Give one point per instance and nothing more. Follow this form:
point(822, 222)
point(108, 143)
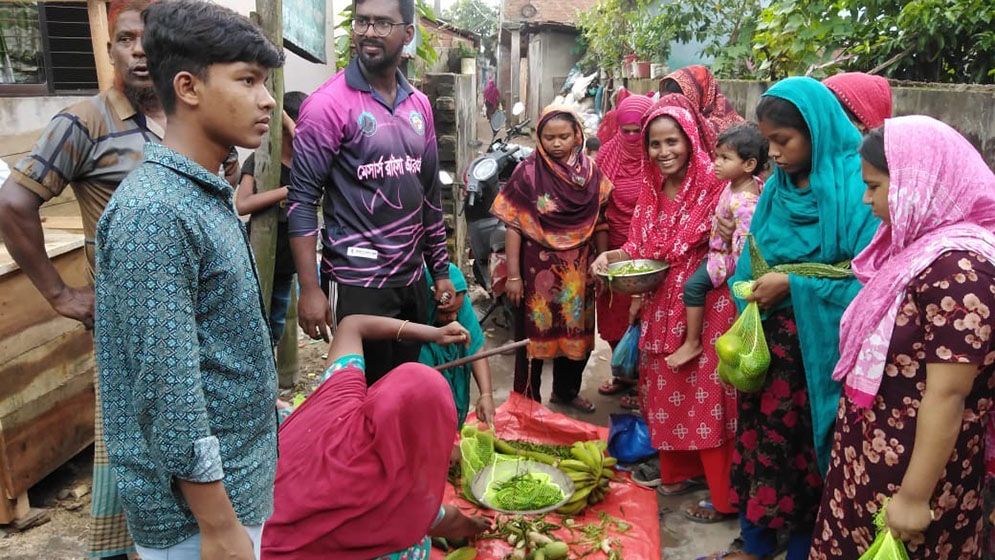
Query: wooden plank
point(16, 144)
point(71, 223)
point(100, 37)
point(46, 432)
point(34, 374)
point(57, 243)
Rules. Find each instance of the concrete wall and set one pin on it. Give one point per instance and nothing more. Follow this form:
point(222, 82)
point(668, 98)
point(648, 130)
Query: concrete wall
point(21, 120)
point(455, 110)
point(968, 108)
point(551, 56)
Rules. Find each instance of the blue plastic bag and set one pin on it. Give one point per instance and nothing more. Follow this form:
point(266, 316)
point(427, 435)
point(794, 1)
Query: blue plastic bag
point(625, 358)
point(629, 438)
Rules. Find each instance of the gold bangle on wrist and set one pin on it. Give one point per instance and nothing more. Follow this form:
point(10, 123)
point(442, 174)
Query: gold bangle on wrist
point(515, 279)
point(401, 328)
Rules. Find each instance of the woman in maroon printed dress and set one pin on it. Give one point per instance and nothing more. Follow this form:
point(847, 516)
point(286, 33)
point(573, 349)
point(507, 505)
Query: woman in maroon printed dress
point(916, 351)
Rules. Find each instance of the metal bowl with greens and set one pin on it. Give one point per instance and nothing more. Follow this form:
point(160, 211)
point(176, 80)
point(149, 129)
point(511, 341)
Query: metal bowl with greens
point(637, 276)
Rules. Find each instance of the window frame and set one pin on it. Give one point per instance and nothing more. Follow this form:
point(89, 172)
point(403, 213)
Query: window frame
point(46, 88)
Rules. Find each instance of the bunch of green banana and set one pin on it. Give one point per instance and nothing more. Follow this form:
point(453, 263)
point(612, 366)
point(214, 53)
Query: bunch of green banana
point(591, 472)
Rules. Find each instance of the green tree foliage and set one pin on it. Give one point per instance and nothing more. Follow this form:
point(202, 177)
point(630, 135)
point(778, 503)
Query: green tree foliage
point(477, 17)
point(923, 40)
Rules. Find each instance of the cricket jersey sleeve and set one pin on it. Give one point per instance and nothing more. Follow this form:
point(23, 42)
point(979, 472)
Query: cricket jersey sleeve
point(316, 145)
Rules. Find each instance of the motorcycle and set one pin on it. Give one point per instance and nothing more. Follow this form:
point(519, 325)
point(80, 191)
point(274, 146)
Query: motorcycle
point(485, 177)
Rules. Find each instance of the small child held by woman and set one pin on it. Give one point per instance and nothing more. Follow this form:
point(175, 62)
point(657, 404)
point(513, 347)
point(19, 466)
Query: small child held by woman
point(740, 158)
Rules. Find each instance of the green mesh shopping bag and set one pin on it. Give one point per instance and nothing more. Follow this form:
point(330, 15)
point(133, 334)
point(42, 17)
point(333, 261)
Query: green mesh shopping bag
point(476, 452)
point(742, 350)
point(885, 546)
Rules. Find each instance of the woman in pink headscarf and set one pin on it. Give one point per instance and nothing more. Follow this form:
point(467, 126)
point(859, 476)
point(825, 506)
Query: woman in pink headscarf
point(916, 351)
point(623, 161)
point(865, 98)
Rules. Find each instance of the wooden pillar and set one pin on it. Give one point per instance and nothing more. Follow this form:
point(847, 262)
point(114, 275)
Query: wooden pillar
point(286, 351)
point(515, 62)
point(100, 37)
point(269, 16)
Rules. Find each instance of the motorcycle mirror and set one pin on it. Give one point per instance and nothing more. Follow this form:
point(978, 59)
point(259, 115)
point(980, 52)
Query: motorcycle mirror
point(518, 109)
point(497, 120)
point(445, 178)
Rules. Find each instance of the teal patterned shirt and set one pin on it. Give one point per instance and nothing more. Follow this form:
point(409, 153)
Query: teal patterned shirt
point(186, 370)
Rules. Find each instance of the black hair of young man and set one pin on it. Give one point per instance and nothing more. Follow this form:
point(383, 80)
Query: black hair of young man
point(191, 35)
point(406, 7)
point(292, 101)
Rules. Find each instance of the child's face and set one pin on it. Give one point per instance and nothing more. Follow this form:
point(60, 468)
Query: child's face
point(729, 166)
point(235, 108)
point(790, 149)
point(876, 195)
point(667, 145)
point(559, 139)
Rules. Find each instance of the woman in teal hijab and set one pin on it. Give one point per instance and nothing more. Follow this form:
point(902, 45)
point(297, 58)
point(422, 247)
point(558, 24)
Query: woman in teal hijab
point(810, 212)
point(459, 377)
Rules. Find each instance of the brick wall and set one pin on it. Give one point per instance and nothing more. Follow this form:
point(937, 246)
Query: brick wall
point(554, 11)
point(455, 108)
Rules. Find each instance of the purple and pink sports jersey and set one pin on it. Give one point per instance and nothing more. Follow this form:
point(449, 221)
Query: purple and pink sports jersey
point(377, 168)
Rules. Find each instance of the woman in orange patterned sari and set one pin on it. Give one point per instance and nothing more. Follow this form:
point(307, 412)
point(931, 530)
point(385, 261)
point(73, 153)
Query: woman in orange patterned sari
point(552, 205)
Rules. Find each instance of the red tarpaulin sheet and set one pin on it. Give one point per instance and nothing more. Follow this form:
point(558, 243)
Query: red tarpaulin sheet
point(523, 419)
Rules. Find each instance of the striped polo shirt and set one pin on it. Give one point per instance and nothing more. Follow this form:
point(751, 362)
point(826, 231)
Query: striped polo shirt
point(91, 145)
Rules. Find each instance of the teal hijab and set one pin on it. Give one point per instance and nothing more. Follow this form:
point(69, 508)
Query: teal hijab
point(825, 223)
point(434, 354)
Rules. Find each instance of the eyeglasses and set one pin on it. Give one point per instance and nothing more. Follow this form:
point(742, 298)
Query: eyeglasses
point(381, 27)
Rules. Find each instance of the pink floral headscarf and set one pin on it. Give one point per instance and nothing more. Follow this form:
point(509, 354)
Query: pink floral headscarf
point(941, 198)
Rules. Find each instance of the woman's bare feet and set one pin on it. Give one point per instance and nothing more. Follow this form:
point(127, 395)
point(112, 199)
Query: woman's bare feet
point(687, 352)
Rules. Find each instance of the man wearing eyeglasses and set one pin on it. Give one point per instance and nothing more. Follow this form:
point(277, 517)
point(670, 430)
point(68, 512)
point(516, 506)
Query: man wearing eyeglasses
point(365, 147)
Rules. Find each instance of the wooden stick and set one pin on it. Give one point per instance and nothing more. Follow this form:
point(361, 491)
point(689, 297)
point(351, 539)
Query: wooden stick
point(481, 355)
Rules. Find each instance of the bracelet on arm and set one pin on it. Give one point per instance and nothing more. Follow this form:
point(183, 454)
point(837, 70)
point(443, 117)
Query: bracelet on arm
point(515, 279)
point(401, 328)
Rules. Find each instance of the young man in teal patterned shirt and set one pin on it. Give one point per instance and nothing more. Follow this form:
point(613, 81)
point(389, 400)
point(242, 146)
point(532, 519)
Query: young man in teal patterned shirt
point(186, 367)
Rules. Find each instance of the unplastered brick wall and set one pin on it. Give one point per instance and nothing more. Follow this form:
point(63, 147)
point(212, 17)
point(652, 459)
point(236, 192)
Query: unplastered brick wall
point(455, 107)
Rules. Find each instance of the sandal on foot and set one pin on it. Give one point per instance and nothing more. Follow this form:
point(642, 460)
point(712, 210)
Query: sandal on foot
point(613, 386)
point(647, 474)
point(681, 488)
point(704, 512)
point(578, 403)
point(629, 402)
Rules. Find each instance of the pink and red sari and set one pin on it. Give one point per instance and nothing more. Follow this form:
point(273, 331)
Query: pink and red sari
point(686, 408)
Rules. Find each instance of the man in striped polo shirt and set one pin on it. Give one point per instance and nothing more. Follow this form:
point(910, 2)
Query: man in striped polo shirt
point(90, 146)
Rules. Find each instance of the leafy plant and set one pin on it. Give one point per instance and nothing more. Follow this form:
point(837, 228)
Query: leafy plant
point(477, 17)
point(606, 29)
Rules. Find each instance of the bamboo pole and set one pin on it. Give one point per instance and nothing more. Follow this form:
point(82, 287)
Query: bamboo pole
point(485, 354)
point(96, 11)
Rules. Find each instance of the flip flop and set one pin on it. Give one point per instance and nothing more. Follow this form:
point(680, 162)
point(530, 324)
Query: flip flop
point(629, 402)
point(717, 517)
point(647, 474)
point(578, 403)
point(613, 386)
point(687, 487)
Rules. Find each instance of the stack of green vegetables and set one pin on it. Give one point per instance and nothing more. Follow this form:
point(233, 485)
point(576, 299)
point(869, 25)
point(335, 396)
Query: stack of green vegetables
point(524, 492)
point(584, 462)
